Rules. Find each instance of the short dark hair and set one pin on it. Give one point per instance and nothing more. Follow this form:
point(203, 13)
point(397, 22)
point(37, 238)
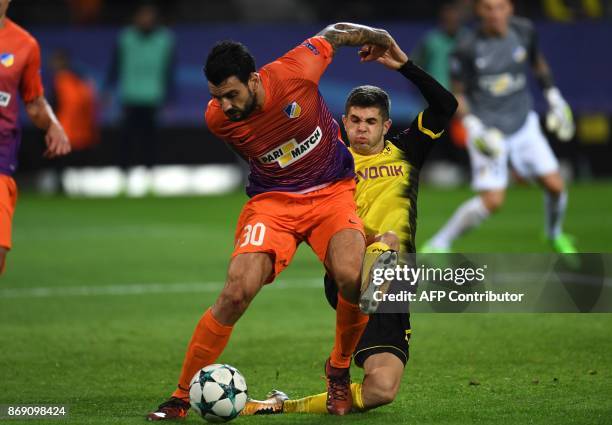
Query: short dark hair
point(368, 96)
point(226, 59)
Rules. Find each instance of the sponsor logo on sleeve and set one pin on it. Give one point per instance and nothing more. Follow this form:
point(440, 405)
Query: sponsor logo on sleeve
point(311, 47)
point(292, 151)
point(5, 99)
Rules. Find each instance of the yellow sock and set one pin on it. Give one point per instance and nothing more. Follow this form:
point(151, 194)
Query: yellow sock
point(318, 403)
point(358, 405)
point(311, 404)
point(377, 248)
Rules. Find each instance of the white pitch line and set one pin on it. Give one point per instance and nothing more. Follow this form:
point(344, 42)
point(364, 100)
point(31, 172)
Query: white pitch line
point(144, 288)
point(215, 286)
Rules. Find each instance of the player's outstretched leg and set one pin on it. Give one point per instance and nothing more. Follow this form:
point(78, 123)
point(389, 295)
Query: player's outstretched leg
point(382, 377)
point(380, 256)
point(467, 217)
point(343, 260)
point(272, 405)
point(383, 374)
point(245, 277)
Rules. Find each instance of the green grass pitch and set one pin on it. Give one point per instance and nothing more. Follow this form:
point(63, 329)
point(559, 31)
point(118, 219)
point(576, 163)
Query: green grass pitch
point(101, 296)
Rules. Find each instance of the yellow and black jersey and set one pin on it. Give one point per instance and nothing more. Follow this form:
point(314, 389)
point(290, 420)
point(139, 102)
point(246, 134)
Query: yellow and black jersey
point(387, 182)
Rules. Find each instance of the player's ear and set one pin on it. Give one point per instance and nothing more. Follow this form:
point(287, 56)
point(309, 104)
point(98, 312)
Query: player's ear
point(254, 81)
point(386, 126)
point(344, 120)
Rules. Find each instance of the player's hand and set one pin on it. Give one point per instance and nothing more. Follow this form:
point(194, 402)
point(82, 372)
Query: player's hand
point(488, 141)
point(371, 52)
point(56, 141)
point(394, 57)
point(559, 119)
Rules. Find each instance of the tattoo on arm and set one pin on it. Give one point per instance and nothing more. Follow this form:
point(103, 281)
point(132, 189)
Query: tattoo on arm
point(347, 34)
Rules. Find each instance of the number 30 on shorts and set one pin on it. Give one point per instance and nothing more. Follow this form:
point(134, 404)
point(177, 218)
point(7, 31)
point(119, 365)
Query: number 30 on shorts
point(253, 234)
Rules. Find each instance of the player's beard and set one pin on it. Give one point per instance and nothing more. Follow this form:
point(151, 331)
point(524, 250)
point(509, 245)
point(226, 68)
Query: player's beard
point(236, 114)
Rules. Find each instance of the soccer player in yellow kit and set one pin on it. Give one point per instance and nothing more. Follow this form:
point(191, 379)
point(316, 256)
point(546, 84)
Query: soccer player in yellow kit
point(387, 184)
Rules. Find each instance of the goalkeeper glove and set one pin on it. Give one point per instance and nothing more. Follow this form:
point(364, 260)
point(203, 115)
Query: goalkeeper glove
point(488, 141)
point(559, 119)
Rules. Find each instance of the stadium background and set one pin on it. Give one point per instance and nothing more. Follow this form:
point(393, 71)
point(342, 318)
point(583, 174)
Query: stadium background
point(88, 33)
point(101, 295)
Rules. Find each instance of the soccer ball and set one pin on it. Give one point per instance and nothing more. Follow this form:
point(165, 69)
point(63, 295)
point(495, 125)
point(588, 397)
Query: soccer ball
point(218, 392)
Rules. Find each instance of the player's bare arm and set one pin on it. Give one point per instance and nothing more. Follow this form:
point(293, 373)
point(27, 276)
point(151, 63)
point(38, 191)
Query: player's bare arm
point(42, 116)
point(374, 41)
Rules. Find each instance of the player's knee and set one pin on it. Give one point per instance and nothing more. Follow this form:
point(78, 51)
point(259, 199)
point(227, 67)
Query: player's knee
point(348, 281)
point(385, 396)
point(390, 238)
point(347, 276)
point(554, 184)
point(235, 300)
point(493, 201)
point(556, 191)
point(382, 388)
point(236, 294)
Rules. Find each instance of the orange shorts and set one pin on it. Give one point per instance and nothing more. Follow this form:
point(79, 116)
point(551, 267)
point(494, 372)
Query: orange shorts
point(276, 222)
point(8, 200)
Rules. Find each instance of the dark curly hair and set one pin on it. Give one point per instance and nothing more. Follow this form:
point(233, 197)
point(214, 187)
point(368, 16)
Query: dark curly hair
point(226, 59)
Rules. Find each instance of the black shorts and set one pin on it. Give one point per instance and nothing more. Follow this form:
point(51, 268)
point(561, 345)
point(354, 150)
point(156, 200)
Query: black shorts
point(384, 333)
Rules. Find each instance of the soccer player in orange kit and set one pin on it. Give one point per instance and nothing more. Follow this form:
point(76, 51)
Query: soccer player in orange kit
point(301, 186)
point(20, 75)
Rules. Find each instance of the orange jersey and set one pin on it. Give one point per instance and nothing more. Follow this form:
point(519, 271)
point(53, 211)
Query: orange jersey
point(19, 75)
point(293, 143)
